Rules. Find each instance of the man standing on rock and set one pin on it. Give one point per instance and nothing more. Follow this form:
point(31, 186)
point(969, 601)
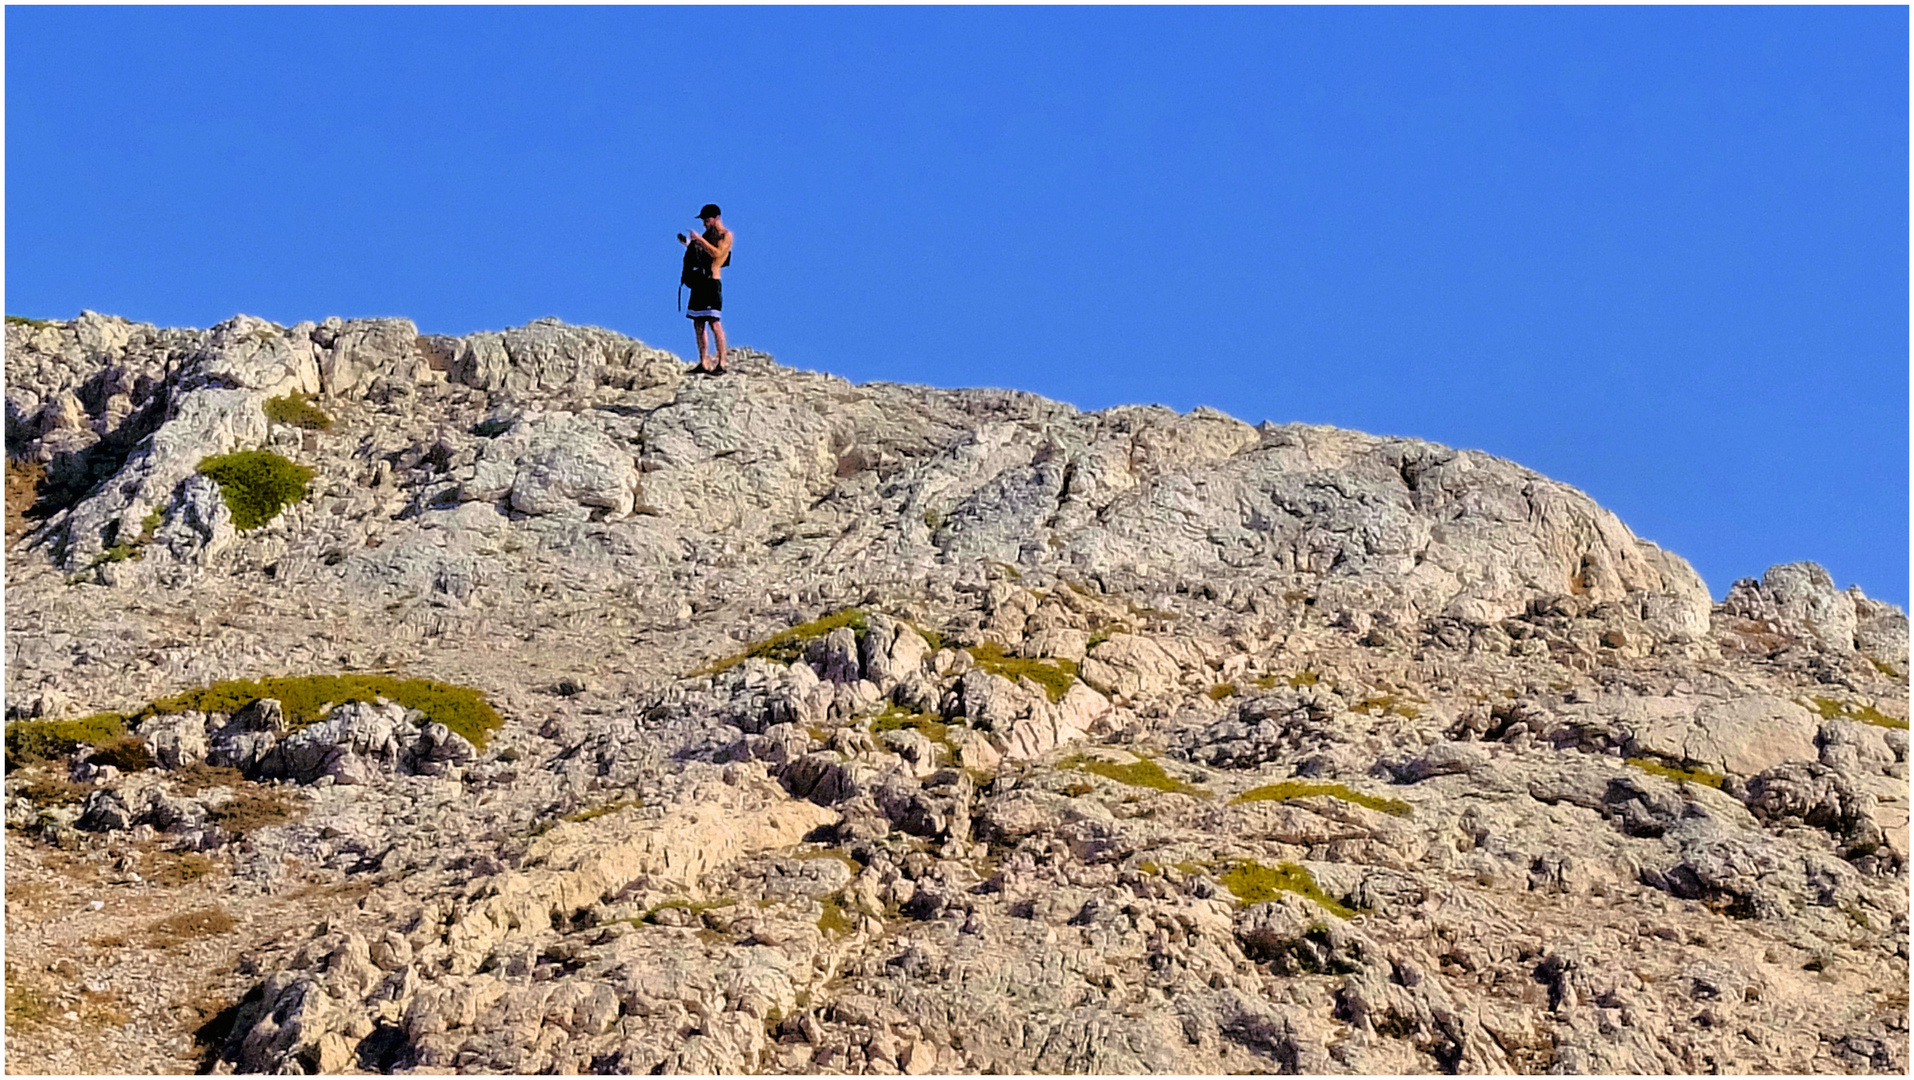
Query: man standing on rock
point(709, 254)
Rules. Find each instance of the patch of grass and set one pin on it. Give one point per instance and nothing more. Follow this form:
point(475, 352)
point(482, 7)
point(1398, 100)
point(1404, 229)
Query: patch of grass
point(1670, 772)
point(1285, 790)
point(1254, 883)
point(22, 320)
point(787, 646)
point(933, 520)
point(1142, 773)
point(601, 811)
point(191, 925)
point(1055, 676)
point(933, 726)
point(26, 1005)
point(832, 853)
point(1831, 709)
point(1101, 635)
point(1305, 677)
point(931, 637)
point(1387, 705)
point(257, 484)
point(295, 410)
point(1222, 690)
point(1888, 670)
point(30, 741)
point(305, 697)
point(837, 919)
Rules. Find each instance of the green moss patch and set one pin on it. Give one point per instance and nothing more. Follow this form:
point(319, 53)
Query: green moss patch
point(787, 646)
point(257, 484)
point(934, 727)
point(1670, 772)
point(1387, 705)
point(1831, 709)
point(931, 637)
point(1055, 676)
point(832, 853)
point(1142, 773)
point(594, 812)
point(1285, 790)
point(295, 410)
point(1254, 883)
point(304, 700)
point(30, 741)
point(837, 918)
point(1222, 690)
point(22, 320)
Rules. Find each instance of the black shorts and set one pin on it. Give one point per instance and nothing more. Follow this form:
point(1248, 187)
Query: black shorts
point(707, 300)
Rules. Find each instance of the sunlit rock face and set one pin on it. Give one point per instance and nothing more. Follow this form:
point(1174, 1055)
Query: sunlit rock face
point(895, 729)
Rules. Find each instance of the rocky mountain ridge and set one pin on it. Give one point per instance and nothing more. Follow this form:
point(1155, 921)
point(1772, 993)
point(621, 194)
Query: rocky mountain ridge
point(884, 728)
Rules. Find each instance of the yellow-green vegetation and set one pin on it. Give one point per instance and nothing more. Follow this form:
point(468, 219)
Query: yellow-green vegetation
point(933, 520)
point(786, 646)
point(26, 1005)
point(22, 320)
point(296, 410)
point(1387, 704)
point(1254, 883)
point(29, 741)
point(1305, 677)
point(1142, 773)
point(832, 853)
point(1670, 772)
point(1831, 709)
point(304, 698)
point(593, 812)
point(836, 917)
point(931, 637)
point(933, 726)
point(257, 484)
point(1285, 790)
point(1055, 676)
point(1222, 690)
point(122, 550)
point(1888, 670)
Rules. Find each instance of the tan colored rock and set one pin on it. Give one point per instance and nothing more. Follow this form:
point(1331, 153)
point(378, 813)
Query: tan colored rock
point(577, 864)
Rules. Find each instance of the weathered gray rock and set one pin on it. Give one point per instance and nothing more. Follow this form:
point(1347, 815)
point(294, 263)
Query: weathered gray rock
point(1387, 758)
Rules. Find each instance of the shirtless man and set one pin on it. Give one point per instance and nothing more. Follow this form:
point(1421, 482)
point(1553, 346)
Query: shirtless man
point(706, 306)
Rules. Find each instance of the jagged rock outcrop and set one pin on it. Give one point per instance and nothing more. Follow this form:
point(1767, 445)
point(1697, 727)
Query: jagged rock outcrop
point(892, 729)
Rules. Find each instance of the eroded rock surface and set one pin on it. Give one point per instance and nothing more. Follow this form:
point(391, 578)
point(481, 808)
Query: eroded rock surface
point(1123, 742)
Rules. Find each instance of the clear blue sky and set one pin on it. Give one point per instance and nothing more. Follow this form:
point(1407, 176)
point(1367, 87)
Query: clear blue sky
point(1658, 253)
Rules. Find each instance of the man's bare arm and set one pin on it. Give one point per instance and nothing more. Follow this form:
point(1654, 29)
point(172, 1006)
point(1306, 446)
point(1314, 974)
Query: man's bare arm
point(719, 250)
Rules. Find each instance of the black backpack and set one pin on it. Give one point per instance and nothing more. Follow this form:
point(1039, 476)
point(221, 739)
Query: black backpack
point(694, 272)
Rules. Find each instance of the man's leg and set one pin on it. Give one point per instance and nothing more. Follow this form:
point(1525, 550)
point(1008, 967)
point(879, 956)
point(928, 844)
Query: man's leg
point(717, 332)
point(698, 326)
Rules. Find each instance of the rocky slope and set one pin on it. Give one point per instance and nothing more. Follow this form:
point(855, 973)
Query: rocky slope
point(1113, 742)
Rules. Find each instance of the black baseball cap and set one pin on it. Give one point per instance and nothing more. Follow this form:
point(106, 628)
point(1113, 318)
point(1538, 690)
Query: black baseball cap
point(710, 210)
